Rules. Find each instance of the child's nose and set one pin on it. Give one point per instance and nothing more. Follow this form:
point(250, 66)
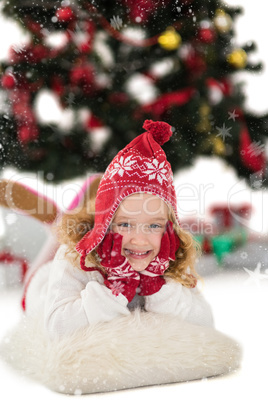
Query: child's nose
point(139, 236)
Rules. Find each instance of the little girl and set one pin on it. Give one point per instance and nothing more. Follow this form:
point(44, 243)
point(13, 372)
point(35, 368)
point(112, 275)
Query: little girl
point(133, 252)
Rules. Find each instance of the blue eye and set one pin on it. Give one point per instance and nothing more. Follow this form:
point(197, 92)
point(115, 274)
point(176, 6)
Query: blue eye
point(156, 226)
point(124, 225)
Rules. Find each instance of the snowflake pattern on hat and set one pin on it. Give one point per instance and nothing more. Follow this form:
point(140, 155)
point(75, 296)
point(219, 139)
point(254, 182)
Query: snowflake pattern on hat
point(124, 165)
point(150, 169)
point(157, 170)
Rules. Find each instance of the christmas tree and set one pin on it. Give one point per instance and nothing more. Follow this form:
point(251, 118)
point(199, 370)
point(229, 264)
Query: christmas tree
point(118, 63)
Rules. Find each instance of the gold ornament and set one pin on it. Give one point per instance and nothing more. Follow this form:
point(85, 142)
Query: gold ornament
point(218, 146)
point(222, 21)
point(214, 144)
point(170, 39)
point(204, 123)
point(238, 58)
point(204, 110)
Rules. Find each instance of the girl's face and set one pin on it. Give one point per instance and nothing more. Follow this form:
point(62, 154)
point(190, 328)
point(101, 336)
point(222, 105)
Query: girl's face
point(141, 220)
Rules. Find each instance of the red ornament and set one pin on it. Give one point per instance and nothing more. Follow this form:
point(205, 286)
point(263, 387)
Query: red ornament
point(38, 53)
point(85, 47)
point(8, 81)
point(57, 85)
point(224, 85)
point(23, 112)
point(195, 64)
point(254, 161)
point(94, 122)
point(65, 14)
point(15, 56)
point(34, 26)
point(206, 35)
point(84, 77)
point(142, 10)
point(27, 133)
point(29, 54)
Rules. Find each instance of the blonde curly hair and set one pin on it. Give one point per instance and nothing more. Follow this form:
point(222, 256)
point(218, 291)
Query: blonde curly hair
point(74, 225)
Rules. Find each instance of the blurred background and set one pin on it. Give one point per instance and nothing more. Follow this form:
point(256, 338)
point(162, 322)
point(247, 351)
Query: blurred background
point(78, 79)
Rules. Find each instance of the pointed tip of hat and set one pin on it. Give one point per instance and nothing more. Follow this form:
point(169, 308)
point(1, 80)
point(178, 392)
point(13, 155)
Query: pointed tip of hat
point(160, 130)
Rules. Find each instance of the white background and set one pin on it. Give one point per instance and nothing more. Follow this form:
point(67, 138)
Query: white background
point(239, 304)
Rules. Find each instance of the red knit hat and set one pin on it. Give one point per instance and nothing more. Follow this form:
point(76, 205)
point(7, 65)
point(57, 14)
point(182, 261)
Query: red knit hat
point(141, 167)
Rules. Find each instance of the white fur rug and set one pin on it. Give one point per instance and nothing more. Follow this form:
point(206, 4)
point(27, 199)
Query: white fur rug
point(137, 350)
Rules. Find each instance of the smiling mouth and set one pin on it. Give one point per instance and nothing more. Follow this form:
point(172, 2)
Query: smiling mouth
point(137, 253)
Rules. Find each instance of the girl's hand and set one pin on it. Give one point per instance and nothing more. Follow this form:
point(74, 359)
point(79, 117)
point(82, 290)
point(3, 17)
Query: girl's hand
point(121, 277)
point(151, 279)
point(169, 245)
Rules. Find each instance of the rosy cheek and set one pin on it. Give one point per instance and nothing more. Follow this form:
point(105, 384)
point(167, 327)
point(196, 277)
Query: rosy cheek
point(124, 240)
point(156, 241)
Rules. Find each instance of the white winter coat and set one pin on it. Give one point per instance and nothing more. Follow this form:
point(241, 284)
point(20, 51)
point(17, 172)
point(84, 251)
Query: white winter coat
point(71, 299)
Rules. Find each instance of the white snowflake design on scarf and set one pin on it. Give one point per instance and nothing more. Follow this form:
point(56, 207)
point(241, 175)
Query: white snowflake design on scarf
point(157, 264)
point(124, 270)
point(117, 288)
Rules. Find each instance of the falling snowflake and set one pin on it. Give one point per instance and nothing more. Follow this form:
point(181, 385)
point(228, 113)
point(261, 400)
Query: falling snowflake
point(223, 132)
point(256, 148)
point(255, 276)
point(156, 170)
point(232, 115)
point(256, 180)
point(122, 166)
point(244, 255)
point(116, 22)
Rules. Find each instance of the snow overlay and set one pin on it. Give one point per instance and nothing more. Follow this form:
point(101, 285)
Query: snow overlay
point(237, 290)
